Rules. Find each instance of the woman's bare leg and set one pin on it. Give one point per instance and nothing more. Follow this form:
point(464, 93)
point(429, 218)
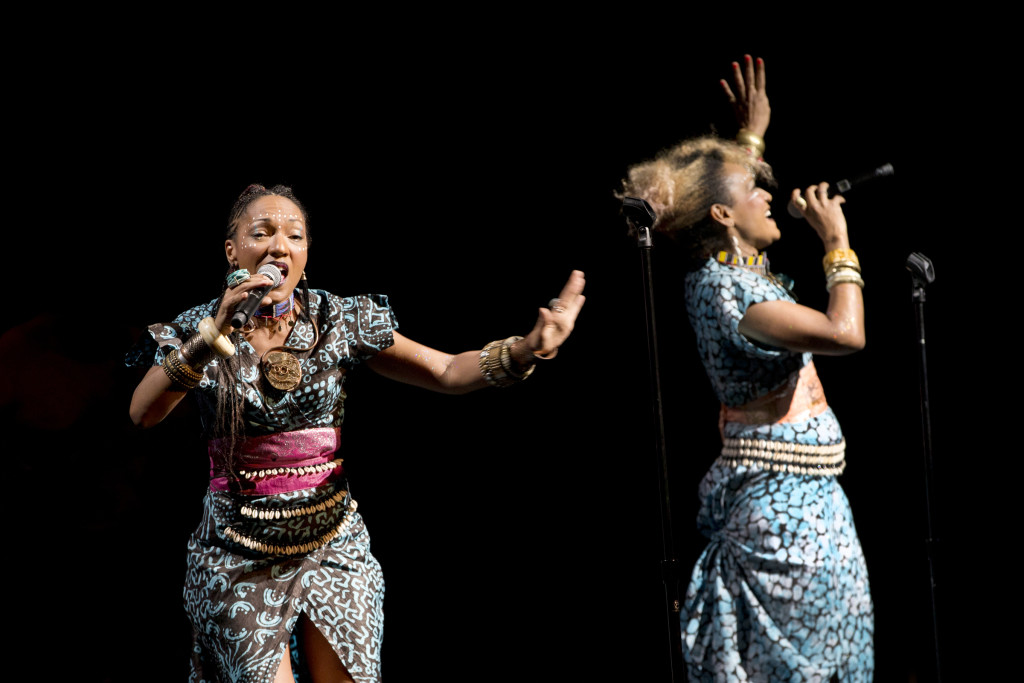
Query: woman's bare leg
point(284, 672)
point(323, 662)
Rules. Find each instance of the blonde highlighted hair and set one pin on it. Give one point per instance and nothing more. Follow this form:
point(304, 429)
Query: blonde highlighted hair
point(683, 182)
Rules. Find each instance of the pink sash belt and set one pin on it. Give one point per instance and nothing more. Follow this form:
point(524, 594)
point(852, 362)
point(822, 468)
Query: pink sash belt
point(278, 463)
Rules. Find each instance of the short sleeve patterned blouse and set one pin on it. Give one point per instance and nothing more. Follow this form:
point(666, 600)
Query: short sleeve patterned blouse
point(717, 297)
point(352, 329)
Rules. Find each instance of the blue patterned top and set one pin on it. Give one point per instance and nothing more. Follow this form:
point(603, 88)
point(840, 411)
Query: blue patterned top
point(352, 330)
point(740, 369)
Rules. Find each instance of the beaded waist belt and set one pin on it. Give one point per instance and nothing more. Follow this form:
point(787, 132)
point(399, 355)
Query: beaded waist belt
point(782, 456)
point(274, 527)
point(279, 463)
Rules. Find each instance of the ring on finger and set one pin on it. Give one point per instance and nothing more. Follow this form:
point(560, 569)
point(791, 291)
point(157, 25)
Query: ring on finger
point(557, 305)
point(237, 277)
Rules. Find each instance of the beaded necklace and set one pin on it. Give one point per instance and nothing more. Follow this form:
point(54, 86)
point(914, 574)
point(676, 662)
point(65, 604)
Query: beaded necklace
point(271, 315)
point(759, 265)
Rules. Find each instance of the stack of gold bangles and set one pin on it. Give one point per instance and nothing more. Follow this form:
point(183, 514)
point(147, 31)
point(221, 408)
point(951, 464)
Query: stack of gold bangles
point(497, 365)
point(841, 265)
point(184, 367)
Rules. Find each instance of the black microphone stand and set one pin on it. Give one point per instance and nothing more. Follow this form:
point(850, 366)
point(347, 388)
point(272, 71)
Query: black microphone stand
point(640, 217)
point(922, 273)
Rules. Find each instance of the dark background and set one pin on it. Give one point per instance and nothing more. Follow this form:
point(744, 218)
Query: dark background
point(465, 175)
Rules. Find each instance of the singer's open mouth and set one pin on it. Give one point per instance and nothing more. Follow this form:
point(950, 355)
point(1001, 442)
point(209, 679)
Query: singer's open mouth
point(282, 267)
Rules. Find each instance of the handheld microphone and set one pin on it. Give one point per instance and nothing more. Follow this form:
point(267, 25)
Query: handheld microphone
point(842, 187)
point(252, 302)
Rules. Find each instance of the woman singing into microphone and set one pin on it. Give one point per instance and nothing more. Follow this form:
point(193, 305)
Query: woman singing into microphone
point(780, 592)
point(280, 579)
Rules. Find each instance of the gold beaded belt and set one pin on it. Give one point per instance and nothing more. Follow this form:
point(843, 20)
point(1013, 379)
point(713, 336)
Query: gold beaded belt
point(782, 456)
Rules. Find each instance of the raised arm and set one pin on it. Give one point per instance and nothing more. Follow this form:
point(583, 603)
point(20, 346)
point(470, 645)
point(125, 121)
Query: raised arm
point(413, 363)
point(840, 329)
point(749, 101)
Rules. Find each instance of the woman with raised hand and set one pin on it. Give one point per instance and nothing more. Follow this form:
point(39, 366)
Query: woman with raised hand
point(780, 592)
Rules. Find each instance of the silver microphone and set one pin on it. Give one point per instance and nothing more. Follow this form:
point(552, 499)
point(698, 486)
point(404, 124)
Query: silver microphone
point(252, 302)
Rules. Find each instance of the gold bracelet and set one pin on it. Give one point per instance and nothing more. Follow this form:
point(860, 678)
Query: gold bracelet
point(508, 363)
point(837, 255)
point(220, 344)
point(180, 374)
point(496, 364)
point(753, 142)
point(836, 266)
point(844, 275)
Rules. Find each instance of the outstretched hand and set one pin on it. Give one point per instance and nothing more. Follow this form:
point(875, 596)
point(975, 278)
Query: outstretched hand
point(555, 323)
point(749, 101)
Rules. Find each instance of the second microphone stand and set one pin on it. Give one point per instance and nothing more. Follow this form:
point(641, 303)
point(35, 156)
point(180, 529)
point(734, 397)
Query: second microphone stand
point(640, 217)
point(922, 274)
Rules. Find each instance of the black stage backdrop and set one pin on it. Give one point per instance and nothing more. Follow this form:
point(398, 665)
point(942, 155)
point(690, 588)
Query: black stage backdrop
point(519, 529)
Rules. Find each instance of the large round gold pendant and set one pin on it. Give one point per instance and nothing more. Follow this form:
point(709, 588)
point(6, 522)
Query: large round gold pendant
point(281, 369)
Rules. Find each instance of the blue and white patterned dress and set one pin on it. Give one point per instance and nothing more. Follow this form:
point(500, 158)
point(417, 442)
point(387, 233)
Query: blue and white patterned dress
point(250, 575)
point(780, 593)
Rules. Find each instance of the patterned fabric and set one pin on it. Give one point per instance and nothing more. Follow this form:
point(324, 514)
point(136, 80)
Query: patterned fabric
point(242, 600)
point(351, 330)
point(304, 456)
point(780, 593)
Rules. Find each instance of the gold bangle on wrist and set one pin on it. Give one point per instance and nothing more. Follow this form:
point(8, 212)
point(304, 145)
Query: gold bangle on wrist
point(496, 364)
point(508, 363)
point(752, 141)
point(836, 256)
point(180, 374)
point(844, 275)
point(842, 265)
